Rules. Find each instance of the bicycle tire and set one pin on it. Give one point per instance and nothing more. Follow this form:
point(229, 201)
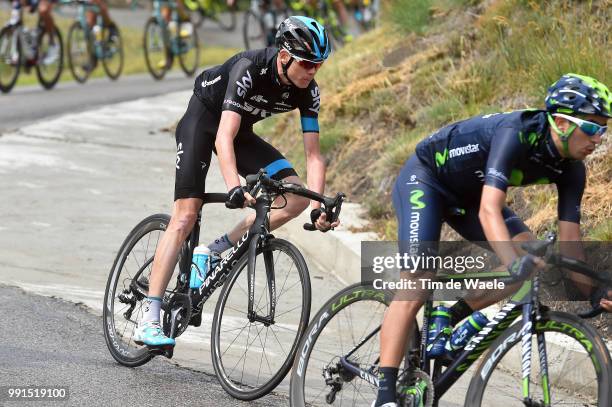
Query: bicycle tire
point(114, 47)
point(190, 67)
point(225, 25)
point(49, 83)
point(238, 388)
point(555, 323)
point(253, 22)
point(80, 72)
point(356, 294)
point(128, 353)
point(161, 37)
point(6, 34)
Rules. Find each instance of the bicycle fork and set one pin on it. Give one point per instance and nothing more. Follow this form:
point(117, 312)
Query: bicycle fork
point(526, 333)
point(260, 238)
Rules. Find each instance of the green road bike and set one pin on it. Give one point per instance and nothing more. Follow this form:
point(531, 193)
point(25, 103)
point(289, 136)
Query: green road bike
point(163, 41)
point(337, 362)
point(89, 45)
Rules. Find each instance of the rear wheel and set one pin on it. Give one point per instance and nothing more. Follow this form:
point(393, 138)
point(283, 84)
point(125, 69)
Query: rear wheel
point(349, 320)
point(128, 285)
point(49, 70)
point(80, 53)
point(112, 49)
point(253, 353)
point(579, 367)
point(253, 31)
point(10, 57)
point(189, 53)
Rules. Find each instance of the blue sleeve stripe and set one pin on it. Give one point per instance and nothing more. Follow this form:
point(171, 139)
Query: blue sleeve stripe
point(277, 166)
point(310, 124)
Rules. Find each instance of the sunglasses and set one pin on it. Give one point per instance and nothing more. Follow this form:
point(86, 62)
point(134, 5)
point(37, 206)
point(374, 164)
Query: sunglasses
point(306, 64)
point(591, 129)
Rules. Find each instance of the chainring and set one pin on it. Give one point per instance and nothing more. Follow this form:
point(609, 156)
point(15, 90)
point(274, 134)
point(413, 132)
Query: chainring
point(420, 375)
point(178, 305)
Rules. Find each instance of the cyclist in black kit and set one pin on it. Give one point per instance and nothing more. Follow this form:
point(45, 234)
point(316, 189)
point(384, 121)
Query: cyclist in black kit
point(227, 101)
point(469, 165)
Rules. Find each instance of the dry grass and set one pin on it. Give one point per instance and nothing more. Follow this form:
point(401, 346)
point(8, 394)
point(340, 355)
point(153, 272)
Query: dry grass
point(391, 88)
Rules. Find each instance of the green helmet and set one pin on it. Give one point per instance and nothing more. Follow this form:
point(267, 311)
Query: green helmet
point(579, 94)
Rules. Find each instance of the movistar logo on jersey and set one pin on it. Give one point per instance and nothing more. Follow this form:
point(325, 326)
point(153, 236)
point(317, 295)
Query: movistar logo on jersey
point(244, 84)
point(441, 158)
point(415, 199)
point(206, 83)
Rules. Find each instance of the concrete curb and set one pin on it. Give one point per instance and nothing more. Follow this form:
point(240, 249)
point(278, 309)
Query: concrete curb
point(338, 251)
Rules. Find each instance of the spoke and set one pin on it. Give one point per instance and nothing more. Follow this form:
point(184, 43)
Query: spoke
point(279, 342)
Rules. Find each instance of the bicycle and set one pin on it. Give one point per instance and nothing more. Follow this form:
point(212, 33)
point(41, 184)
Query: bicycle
point(352, 370)
point(164, 41)
point(221, 11)
point(253, 308)
point(87, 45)
point(260, 23)
point(25, 48)
point(324, 12)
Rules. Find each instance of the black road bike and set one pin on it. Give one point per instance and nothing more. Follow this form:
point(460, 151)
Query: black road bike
point(338, 358)
point(260, 315)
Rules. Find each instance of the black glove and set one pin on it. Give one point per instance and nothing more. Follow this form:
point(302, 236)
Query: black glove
point(598, 295)
point(314, 216)
point(235, 198)
point(521, 267)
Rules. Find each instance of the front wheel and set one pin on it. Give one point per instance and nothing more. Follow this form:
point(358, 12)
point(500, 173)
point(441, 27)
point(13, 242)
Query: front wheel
point(156, 43)
point(10, 57)
point(80, 52)
point(49, 69)
point(579, 367)
point(253, 353)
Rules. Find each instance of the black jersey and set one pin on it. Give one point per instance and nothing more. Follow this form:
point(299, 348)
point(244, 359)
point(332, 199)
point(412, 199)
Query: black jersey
point(501, 150)
point(248, 84)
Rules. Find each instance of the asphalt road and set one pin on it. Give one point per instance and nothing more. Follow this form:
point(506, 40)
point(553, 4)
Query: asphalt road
point(26, 104)
point(49, 342)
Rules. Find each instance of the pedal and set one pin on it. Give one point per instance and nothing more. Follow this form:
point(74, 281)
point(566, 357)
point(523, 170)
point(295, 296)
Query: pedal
point(167, 351)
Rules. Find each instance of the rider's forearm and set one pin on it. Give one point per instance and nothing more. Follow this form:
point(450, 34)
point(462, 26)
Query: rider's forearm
point(497, 233)
point(315, 175)
point(570, 245)
point(227, 160)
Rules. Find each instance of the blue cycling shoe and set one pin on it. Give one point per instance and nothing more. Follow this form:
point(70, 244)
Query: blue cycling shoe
point(150, 333)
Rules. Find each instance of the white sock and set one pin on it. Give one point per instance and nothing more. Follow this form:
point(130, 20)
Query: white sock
point(221, 244)
point(151, 307)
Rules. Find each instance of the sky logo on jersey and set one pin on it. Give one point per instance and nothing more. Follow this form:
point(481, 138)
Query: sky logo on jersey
point(258, 99)
point(179, 152)
point(441, 158)
point(244, 84)
point(206, 83)
point(316, 100)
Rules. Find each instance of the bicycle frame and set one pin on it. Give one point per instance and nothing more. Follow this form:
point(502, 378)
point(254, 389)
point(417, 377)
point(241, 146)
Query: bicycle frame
point(524, 303)
point(258, 232)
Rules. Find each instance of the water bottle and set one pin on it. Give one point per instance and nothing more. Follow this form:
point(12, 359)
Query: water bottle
point(467, 330)
point(97, 31)
point(199, 266)
point(438, 332)
point(172, 28)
